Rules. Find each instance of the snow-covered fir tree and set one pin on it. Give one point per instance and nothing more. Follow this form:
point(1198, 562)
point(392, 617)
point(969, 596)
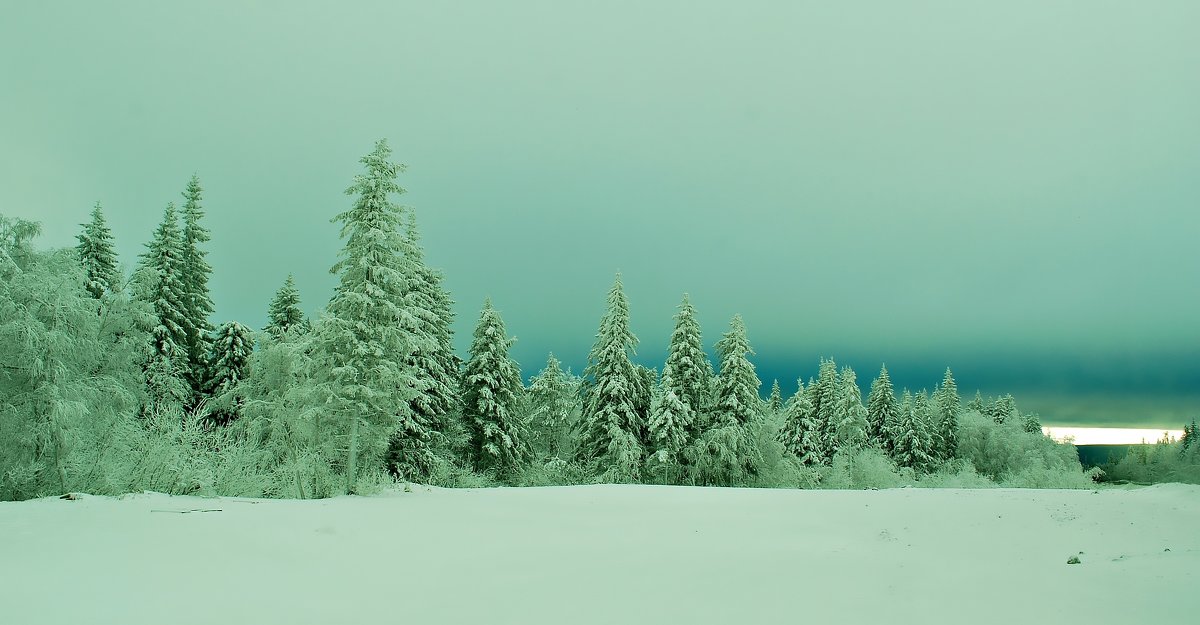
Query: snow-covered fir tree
point(232, 346)
point(775, 399)
point(801, 434)
point(229, 362)
point(976, 404)
point(851, 431)
point(434, 358)
point(947, 406)
point(553, 398)
point(97, 255)
point(823, 395)
point(492, 398)
point(284, 315)
point(691, 370)
point(914, 447)
point(611, 427)
point(738, 402)
point(670, 422)
point(194, 275)
point(362, 346)
point(1003, 409)
point(646, 381)
point(881, 411)
point(159, 282)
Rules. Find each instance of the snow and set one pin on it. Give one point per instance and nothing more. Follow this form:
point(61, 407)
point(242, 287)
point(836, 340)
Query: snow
point(607, 554)
point(1109, 436)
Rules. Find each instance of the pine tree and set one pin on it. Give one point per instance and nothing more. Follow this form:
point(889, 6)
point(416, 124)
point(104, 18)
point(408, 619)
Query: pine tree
point(670, 421)
point(164, 289)
point(1003, 409)
point(851, 431)
point(232, 346)
point(775, 400)
point(691, 370)
point(363, 344)
point(229, 364)
point(1031, 423)
point(801, 434)
point(738, 402)
point(914, 442)
point(882, 416)
point(434, 361)
point(284, 315)
point(553, 408)
point(198, 305)
point(610, 428)
point(976, 405)
point(947, 407)
point(492, 397)
point(97, 255)
point(823, 395)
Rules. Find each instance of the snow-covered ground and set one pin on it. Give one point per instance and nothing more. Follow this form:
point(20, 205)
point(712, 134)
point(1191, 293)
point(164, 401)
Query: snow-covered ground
point(608, 554)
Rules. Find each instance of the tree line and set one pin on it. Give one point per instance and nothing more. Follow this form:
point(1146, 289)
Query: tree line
point(114, 384)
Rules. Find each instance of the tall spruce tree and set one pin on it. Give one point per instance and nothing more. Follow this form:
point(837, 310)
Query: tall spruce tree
point(434, 359)
point(691, 370)
point(164, 289)
point(553, 408)
point(947, 406)
point(97, 255)
point(232, 346)
point(851, 431)
point(823, 395)
point(611, 427)
point(775, 399)
point(801, 434)
point(158, 282)
point(229, 364)
point(670, 422)
point(914, 440)
point(492, 398)
point(738, 402)
point(364, 342)
point(194, 277)
point(881, 412)
point(284, 315)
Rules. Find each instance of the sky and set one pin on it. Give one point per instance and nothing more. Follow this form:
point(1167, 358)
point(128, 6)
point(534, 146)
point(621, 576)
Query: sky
point(1009, 189)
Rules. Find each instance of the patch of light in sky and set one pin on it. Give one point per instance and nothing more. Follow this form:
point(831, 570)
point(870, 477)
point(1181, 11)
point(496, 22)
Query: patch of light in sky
point(1110, 436)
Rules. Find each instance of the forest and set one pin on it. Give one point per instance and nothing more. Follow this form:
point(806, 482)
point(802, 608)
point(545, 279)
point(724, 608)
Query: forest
point(113, 383)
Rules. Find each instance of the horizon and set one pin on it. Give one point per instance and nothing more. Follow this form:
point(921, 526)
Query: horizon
point(876, 188)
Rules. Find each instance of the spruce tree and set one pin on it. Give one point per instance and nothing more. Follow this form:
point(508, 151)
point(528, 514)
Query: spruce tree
point(851, 431)
point(610, 428)
point(976, 404)
point(738, 402)
point(194, 276)
point(801, 434)
point(553, 408)
point(232, 346)
point(881, 412)
point(97, 255)
point(823, 395)
point(162, 265)
point(1003, 409)
point(364, 342)
point(284, 315)
point(670, 421)
point(947, 406)
point(434, 359)
point(691, 370)
point(914, 442)
point(775, 400)
point(229, 364)
point(492, 398)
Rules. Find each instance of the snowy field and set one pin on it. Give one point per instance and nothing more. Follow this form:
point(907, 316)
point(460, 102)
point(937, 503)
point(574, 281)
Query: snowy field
point(607, 554)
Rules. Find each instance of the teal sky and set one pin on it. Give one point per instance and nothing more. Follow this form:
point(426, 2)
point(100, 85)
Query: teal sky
point(1012, 188)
